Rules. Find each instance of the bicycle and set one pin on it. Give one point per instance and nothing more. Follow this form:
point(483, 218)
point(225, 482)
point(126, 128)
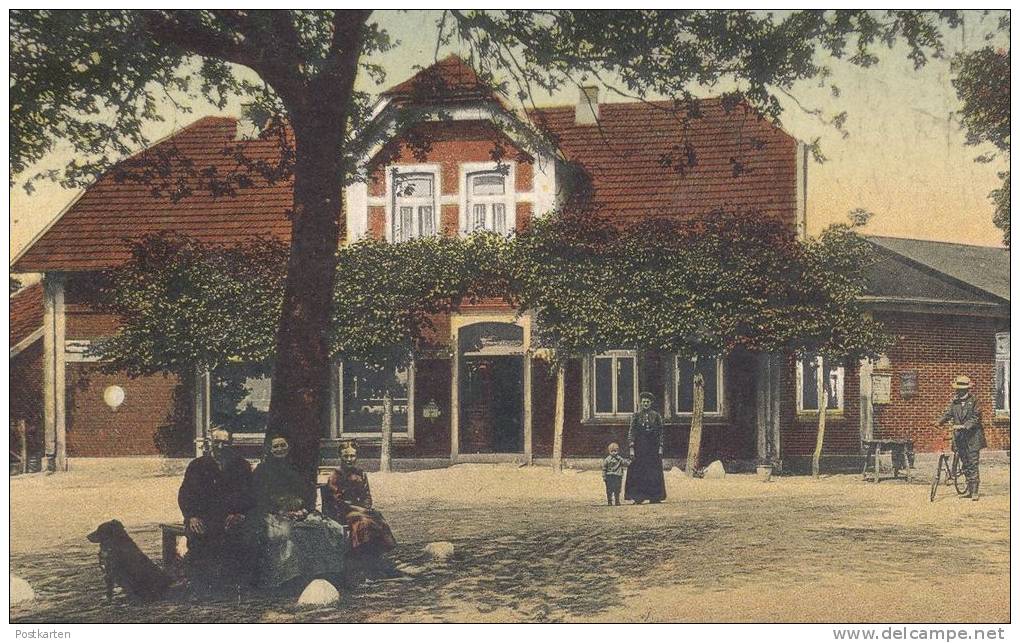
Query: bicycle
point(944, 471)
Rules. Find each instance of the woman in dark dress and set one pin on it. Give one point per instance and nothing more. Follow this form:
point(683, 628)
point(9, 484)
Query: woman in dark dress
point(294, 541)
point(645, 480)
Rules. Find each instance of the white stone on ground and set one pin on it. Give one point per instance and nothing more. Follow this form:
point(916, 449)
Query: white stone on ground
point(319, 592)
point(715, 471)
point(439, 551)
point(21, 591)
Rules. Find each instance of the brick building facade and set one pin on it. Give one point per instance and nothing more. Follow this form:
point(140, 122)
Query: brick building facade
point(487, 395)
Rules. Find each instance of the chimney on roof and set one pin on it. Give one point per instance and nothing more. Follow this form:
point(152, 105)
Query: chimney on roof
point(587, 110)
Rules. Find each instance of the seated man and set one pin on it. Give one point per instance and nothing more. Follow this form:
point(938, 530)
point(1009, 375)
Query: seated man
point(215, 498)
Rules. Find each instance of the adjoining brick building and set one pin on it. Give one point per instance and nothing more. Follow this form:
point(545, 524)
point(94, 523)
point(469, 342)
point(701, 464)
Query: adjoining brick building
point(484, 395)
point(26, 372)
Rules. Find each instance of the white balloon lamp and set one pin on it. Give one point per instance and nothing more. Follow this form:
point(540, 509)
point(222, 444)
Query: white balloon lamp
point(113, 396)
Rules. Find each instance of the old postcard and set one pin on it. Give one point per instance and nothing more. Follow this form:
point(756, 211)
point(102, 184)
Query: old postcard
point(511, 316)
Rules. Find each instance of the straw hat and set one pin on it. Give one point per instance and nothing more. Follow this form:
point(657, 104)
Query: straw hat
point(961, 382)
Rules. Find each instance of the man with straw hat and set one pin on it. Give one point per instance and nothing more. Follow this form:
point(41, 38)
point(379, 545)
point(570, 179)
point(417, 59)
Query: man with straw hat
point(968, 434)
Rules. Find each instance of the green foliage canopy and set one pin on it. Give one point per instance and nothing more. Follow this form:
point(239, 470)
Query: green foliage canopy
point(184, 305)
point(983, 85)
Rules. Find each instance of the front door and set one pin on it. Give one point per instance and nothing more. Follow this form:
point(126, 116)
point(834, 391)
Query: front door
point(491, 389)
point(492, 409)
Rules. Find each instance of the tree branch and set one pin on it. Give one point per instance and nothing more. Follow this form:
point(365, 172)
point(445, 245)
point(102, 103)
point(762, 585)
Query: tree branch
point(347, 26)
point(184, 31)
point(197, 38)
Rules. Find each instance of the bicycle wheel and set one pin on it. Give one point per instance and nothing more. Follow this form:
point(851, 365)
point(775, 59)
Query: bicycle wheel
point(959, 480)
point(938, 476)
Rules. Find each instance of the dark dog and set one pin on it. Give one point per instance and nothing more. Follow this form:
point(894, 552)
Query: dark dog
point(124, 564)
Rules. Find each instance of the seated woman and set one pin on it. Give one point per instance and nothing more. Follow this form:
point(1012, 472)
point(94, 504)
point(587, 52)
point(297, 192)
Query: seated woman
point(350, 501)
point(294, 543)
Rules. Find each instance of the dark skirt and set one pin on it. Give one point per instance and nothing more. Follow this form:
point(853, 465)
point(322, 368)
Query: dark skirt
point(645, 480)
point(369, 532)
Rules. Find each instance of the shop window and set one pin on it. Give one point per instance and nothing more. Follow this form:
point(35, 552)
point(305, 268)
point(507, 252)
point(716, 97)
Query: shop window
point(239, 397)
point(811, 370)
point(711, 370)
point(1002, 373)
point(362, 390)
point(614, 381)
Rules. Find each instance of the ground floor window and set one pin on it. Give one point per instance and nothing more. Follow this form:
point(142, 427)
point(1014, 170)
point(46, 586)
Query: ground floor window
point(362, 388)
point(614, 383)
point(1002, 373)
point(812, 370)
point(239, 397)
point(711, 369)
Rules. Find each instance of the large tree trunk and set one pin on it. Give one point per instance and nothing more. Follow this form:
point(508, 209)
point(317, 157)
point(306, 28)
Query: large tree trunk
point(300, 386)
point(697, 419)
point(387, 431)
point(823, 403)
point(561, 376)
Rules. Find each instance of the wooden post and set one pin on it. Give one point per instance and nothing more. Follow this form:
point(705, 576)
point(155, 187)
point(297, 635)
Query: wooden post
point(23, 444)
point(823, 403)
point(387, 431)
point(54, 395)
point(557, 455)
point(528, 421)
point(697, 419)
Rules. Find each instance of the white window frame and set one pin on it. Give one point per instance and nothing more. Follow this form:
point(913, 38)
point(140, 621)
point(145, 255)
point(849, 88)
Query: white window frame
point(376, 435)
point(840, 387)
point(590, 386)
point(1002, 339)
point(509, 198)
point(720, 395)
point(237, 438)
point(391, 199)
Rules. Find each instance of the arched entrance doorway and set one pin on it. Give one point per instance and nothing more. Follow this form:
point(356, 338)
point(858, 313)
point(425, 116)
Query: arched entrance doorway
point(492, 377)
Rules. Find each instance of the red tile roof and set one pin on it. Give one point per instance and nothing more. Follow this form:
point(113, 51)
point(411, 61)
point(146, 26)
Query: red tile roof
point(26, 312)
point(451, 77)
point(637, 157)
point(640, 164)
point(91, 234)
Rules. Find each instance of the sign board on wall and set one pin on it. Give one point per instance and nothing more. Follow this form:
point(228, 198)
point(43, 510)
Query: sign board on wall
point(881, 388)
point(431, 410)
point(908, 384)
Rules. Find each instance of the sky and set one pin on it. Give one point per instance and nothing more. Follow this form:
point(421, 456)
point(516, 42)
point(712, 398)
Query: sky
point(904, 159)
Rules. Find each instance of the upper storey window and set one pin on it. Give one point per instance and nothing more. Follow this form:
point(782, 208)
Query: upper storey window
point(413, 212)
point(487, 202)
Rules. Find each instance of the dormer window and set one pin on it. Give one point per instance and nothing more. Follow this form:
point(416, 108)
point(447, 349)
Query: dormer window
point(487, 202)
point(413, 211)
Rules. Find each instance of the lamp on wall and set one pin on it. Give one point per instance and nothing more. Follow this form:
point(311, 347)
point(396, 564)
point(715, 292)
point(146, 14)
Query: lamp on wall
point(113, 395)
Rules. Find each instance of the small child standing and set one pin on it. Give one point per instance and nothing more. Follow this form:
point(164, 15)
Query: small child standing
point(612, 472)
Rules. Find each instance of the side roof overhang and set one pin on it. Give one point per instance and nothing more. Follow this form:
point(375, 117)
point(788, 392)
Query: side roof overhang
point(901, 282)
point(26, 318)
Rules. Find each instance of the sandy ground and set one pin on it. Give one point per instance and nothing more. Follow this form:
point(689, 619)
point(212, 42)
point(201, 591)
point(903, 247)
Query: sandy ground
point(539, 547)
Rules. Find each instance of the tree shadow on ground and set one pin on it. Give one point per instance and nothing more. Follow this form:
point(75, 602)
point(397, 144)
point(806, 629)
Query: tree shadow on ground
point(546, 566)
